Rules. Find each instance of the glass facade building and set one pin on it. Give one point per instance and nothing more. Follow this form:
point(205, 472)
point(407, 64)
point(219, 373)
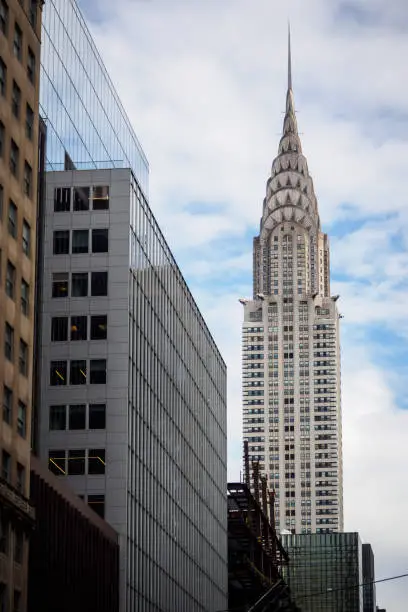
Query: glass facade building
point(324, 571)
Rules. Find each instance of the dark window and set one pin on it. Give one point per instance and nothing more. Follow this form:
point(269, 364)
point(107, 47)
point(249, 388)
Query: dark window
point(29, 125)
point(12, 219)
point(97, 416)
point(26, 241)
point(60, 284)
point(97, 503)
point(4, 531)
point(59, 329)
point(21, 419)
point(77, 415)
point(10, 280)
point(57, 420)
point(16, 100)
point(6, 466)
point(100, 198)
point(25, 297)
point(61, 242)
point(97, 372)
point(14, 158)
point(99, 283)
point(31, 65)
point(99, 327)
point(33, 12)
point(79, 284)
point(100, 240)
point(80, 239)
point(4, 11)
point(96, 461)
point(28, 179)
point(21, 478)
point(76, 462)
point(79, 328)
point(3, 78)
point(81, 198)
point(58, 373)
point(56, 462)
point(7, 404)
point(18, 545)
point(9, 342)
point(62, 199)
point(18, 42)
point(78, 372)
point(17, 601)
point(1, 208)
point(23, 358)
point(1, 138)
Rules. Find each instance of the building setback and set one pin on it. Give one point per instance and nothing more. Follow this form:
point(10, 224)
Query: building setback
point(74, 554)
point(291, 349)
point(20, 34)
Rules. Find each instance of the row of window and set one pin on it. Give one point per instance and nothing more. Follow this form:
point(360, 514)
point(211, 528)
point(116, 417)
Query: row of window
point(8, 412)
point(6, 531)
point(6, 465)
point(79, 373)
point(18, 34)
point(9, 350)
point(16, 102)
point(11, 288)
point(14, 162)
point(79, 284)
point(80, 241)
point(78, 328)
point(77, 462)
point(81, 198)
point(12, 224)
point(77, 416)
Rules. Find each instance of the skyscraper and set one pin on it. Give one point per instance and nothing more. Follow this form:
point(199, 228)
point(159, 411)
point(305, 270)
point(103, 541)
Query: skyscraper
point(291, 349)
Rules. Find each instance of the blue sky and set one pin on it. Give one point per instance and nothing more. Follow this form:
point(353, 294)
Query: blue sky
point(204, 86)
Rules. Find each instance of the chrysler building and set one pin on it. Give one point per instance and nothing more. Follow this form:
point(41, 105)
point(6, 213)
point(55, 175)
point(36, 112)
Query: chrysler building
point(291, 348)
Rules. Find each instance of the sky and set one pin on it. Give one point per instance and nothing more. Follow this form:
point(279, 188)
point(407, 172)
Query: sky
point(204, 85)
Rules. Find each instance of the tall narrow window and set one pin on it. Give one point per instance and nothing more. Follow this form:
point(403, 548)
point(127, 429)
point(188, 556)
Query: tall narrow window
point(79, 284)
point(18, 42)
point(97, 416)
point(99, 327)
point(58, 416)
point(97, 372)
point(16, 100)
point(1, 139)
point(23, 358)
point(28, 179)
point(29, 124)
point(96, 461)
point(57, 462)
point(25, 297)
point(79, 328)
point(21, 478)
point(12, 219)
point(59, 329)
point(61, 242)
point(77, 414)
point(3, 78)
point(60, 284)
point(100, 240)
point(14, 158)
point(33, 13)
point(7, 404)
point(77, 374)
point(81, 198)
point(100, 198)
point(10, 280)
point(26, 239)
point(31, 65)
point(99, 283)
point(6, 466)
point(21, 419)
point(62, 199)
point(58, 373)
point(9, 342)
point(80, 240)
point(4, 11)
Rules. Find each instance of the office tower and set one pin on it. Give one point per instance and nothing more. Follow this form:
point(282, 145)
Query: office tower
point(74, 554)
point(325, 572)
point(132, 387)
point(291, 350)
point(20, 32)
point(369, 596)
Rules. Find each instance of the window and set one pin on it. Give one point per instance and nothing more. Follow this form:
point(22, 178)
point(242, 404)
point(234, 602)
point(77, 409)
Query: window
point(18, 546)
point(21, 419)
point(7, 404)
point(16, 100)
point(99, 327)
point(62, 199)
point(57, 418)
point(3, 16)
point(1, 205)
point(80, 241)
point(18, 42)
point(77, 415)
point(6, 466)
point(23, 358)
point(60, 284)
point(14, 158)
point(17, 601)
point(33, 12)
point(97, 503)
point(10, 280)
point(28, 179)
point(97, 371)
point(9, 342)
point(96, 461)
point(79, 327)
point(81, 198)
point(76, 462)
point(21, 478)
point(1, 138)
point(99, 283)
point(3, 78)
point(61, 242)
point(12, 219)
point(56, 462)
point(59, 329)
point(29, 124)
point(78, 372)
point(100, 198)
point(79, 284)
point(31, 65)
point(97, 416)
point(26, 239)
point(4, 531)
point(58, 373)
point(100, 240)
point(25, 297)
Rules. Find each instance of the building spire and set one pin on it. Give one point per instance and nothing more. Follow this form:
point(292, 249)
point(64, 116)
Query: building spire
point(289, 60)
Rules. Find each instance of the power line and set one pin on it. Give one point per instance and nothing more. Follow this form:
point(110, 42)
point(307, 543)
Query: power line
point(354, 586)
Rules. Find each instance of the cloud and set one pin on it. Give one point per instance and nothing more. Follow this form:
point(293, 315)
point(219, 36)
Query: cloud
point(204, 85)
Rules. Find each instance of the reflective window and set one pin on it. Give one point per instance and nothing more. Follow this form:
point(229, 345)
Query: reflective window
point(9, 342)
point(80, 241)
point(61, 242)
point(79, 328)
point(60, 284)
point(12, 219)
point(1, 139)
point(7, 404)
point(57, 420)
point(62, 199)
point(99, 327)
point(58, 373)
point(29, 124)
point(6, 466)
point(3, 78)
point(77, 416)
point(10, 280)
point(23, 358)
point(77, 372)
point(99, 283)
point(14, 158)
point(28, 179)
point(26, 239)
point(97, 371)
point(79, 284)
point(21, 419)
point(59, 329)
point(81, 198)
point(21, 478)
point(100, 240)
point(100, 198)
point(97, 416)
